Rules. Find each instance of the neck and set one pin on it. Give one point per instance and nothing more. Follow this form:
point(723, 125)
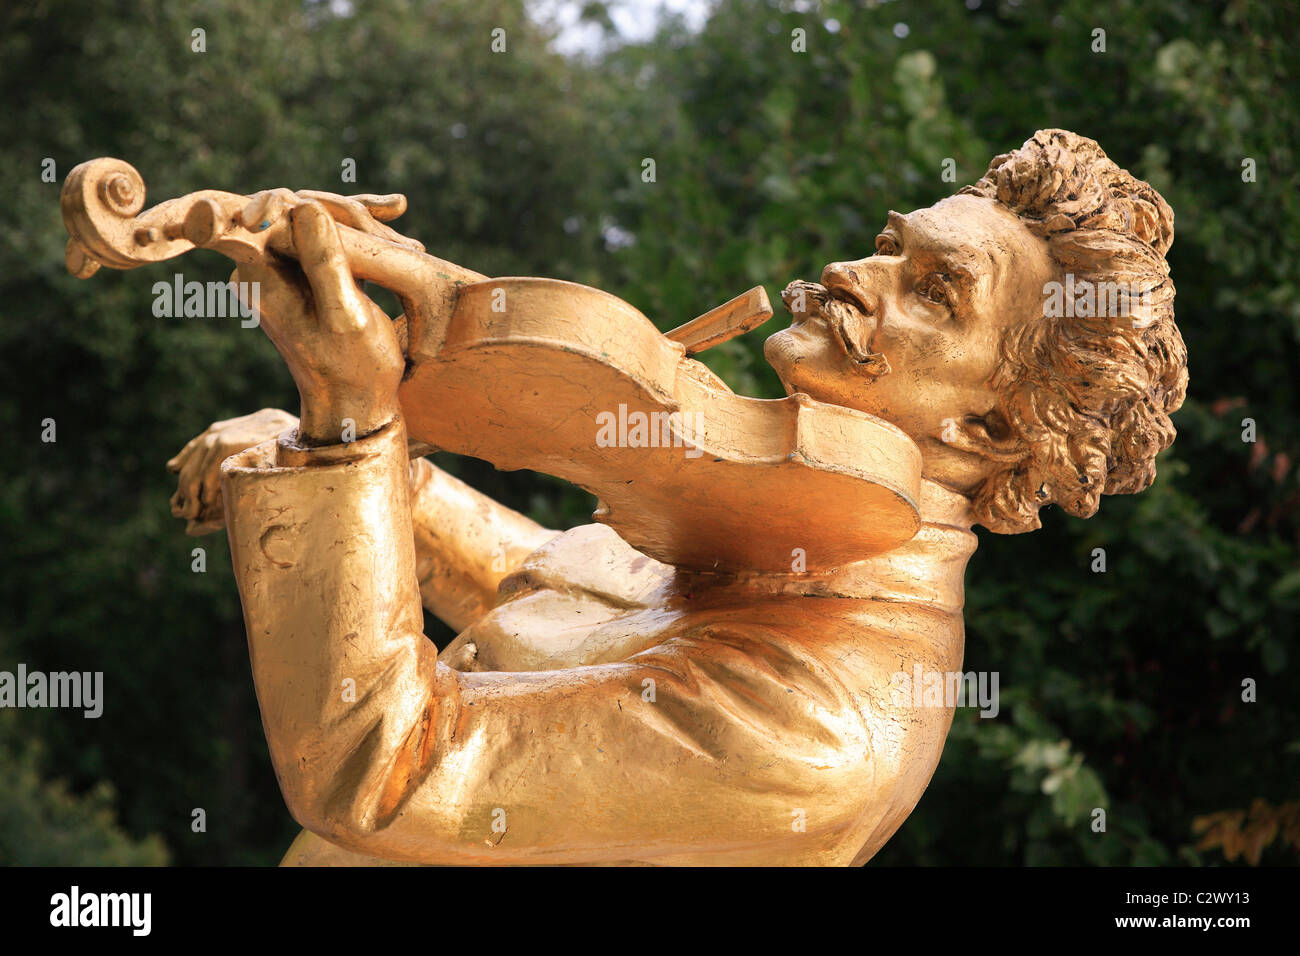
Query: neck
point(940, 505)
point(926, 571)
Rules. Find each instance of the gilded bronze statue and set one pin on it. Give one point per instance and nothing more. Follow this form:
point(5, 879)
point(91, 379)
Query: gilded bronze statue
point(704, 675)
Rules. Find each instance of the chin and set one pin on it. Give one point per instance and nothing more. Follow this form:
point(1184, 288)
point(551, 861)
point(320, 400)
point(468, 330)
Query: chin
point(783, 350)
point(800, 360)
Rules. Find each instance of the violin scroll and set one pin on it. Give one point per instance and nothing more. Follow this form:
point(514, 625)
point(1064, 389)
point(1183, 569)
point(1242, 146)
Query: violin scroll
point(102, 201)
point(574, 382)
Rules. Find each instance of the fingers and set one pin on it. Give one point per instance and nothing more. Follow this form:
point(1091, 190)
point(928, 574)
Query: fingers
point(211, 509)
point(198, 486)
point(340, 306)
point(396, 262)
point(365, 213)
point(384, 208)
point(206, 512)
point(265, 207)
point(197, 527)
point(203, 507)
point(180, 505)
point(185, 503)
point(193, 483)
point(188, 464)
point(177, 461)
point(282, 309)
point(215, 452)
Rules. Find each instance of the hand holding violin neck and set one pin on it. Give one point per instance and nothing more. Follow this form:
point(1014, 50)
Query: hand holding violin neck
point(102, 201)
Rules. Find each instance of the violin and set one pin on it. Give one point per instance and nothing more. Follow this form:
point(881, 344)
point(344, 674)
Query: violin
point(564, 379)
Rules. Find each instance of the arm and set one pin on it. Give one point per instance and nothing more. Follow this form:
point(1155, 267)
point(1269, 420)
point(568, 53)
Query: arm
point(465, 542)
point(382, 750)
point(709, 741)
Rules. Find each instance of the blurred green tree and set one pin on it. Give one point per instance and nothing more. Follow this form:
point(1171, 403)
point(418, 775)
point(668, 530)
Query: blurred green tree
point(493, 152)
point(42, 824)
point(1121, 690)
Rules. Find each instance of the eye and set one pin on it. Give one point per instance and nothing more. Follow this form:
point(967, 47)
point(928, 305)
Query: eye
point(934, 288)
point(886, 246)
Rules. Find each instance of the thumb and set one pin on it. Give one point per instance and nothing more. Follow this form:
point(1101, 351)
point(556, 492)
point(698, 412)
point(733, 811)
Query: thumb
point(339, 303)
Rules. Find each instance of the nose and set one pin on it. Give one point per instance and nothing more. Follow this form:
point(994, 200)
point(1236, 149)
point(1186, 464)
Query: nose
point(851, 278)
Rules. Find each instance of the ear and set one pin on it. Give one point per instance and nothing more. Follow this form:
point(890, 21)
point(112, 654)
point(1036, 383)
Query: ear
point(988, 436)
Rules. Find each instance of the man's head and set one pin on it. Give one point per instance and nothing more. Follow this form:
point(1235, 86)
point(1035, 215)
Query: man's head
point(978, 329)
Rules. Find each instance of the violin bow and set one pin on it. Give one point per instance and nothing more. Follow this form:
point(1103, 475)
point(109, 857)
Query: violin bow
point(745, 312)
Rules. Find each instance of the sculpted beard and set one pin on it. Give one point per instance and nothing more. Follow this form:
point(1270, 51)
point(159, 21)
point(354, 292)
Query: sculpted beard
point(853, 328)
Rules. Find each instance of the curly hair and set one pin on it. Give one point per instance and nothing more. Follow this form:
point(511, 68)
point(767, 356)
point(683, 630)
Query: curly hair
point(1086, 398)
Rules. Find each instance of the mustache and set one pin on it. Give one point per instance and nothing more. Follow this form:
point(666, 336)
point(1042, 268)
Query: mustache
point(853, 328)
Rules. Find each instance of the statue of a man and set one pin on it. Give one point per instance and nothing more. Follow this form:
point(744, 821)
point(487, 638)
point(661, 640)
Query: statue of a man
point(599, 706)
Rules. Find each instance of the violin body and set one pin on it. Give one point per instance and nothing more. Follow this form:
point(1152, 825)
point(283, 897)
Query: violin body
point(551, 376)
point(574, 382)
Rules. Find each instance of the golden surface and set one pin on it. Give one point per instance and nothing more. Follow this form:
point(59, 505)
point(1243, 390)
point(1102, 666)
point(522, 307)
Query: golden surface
point(524, 388)
point(705, 676)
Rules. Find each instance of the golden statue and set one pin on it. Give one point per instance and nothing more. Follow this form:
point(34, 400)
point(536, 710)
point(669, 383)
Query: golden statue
point(707, 675)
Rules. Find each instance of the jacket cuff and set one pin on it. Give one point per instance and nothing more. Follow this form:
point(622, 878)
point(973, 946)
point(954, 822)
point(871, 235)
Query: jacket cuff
point(291, 453)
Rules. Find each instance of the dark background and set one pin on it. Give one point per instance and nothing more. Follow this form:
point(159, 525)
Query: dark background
point(1120, 690)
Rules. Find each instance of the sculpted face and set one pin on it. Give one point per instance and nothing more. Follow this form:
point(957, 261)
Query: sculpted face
point(911, 333)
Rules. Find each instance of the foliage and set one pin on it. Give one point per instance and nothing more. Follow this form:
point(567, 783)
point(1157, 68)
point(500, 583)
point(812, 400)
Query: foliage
point(1121, 690)
point(97, 573)
point(42, 824)
point(1242, 833)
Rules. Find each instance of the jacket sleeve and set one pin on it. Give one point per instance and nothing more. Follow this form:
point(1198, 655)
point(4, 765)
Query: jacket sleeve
point(726, 736)
point(465, 543)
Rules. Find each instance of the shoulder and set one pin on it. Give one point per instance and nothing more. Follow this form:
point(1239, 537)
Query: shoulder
point(566, 605)
point(593, 560)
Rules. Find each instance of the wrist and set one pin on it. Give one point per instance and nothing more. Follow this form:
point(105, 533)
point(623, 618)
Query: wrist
point(292, 451)
point(343, 423)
